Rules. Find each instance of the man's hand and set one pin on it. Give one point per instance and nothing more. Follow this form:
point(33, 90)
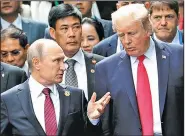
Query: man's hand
point(96, 108)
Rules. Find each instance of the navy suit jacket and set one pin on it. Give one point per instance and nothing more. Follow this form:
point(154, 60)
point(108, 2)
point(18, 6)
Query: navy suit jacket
point(106, 47)
point(33, 29)
point(121, 116)
point(18, 117)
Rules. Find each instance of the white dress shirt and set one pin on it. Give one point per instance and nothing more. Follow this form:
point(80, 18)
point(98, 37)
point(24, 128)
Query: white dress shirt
point(17, 23)
point(150, 63)
point(80, 69)
point(25, 68)
point(175, 39)
point(38, 99)
point(119, 46)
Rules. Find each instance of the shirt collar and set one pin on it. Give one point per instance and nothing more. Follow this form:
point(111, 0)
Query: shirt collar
point(36, 88)
point(79, 57)
point(148, 53)
point(17, 23)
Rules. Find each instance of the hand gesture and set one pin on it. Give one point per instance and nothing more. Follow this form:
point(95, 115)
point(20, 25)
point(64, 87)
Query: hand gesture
point(96, 108)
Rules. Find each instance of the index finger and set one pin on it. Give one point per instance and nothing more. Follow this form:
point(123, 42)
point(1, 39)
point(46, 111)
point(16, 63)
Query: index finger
point(104, 97)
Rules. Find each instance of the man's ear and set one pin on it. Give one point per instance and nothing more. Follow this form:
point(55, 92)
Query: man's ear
point(52, 32)
point(36, 63)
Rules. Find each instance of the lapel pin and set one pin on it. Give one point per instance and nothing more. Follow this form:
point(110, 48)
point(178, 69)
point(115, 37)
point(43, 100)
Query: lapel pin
point(163, 56)
point(67, 93)
point(92, 70)
point(94, 61)
point(3, 75)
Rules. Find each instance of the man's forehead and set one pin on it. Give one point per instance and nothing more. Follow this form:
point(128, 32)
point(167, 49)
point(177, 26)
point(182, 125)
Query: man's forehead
point(161, 8)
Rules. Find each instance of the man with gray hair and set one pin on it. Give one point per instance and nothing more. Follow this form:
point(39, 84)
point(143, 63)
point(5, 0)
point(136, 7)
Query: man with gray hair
point(145, 80)
point(41, 107)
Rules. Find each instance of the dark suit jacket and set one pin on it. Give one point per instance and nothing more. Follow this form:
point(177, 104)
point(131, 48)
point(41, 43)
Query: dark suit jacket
point(33, 29)
point(18, 117)
point(107, 26)
point(106, 47)
point(90, 61)
point(11, 76)
point(121, 116)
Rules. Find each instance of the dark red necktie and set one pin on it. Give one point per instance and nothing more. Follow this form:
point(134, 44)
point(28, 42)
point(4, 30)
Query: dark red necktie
point(144, 99)
point(49, 114)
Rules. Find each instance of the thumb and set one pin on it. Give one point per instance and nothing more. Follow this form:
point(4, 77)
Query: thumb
point(93, 97)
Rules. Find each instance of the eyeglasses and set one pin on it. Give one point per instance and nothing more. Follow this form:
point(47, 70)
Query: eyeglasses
point(13, 53)
point(75, 28)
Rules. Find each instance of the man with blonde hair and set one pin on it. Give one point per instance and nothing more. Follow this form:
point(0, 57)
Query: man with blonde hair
point(145, 80)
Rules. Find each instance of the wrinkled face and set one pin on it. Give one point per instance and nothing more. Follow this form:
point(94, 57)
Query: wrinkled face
point(51, 66)
point(12, 52)
point(83, 6)
point(164, 23)
point(134, 38)
point(9, 6)
point(68, 35)
point(89, 37)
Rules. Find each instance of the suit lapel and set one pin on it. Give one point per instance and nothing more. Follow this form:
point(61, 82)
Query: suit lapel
point(25, 99)
point(64, 107)
point(125, 71)
point(90, 68)
point(113, 45)
point(4, 79)
point(163, 60)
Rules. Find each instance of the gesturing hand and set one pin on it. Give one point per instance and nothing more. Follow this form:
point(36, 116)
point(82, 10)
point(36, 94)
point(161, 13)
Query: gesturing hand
point(96, 108)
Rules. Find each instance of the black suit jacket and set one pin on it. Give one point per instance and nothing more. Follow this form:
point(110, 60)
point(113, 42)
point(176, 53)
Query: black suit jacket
point(11, 76)
point(90, 61)
point(106, 47)
point(18, 117)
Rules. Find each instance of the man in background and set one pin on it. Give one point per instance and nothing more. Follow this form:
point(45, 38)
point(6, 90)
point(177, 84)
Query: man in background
point(164, 16)
point(14, 46)
point(65, 28)
point(10, 15)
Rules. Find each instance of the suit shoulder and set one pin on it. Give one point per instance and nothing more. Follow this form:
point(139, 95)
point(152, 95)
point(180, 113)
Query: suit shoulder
point(33, 22)
point(11, 68)
point(10, 92)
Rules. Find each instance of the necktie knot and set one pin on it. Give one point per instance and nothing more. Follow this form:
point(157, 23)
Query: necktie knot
point(46, 91)
point(71, 62)
point(141, 58)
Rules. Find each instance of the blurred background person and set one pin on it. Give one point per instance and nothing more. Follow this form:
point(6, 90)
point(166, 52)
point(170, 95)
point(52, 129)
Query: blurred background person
point(14, 46)
point(181, 15)
point(10, 14)
point(164, 16)
point(92, 33)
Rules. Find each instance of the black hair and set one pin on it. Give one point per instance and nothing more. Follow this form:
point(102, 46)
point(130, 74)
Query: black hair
point(62, 11)
point(97, 25)
point(15, 33)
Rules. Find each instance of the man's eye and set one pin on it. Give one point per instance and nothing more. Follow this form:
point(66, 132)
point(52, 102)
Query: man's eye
point(15, 52)
point(157, 17)
point(4, 54)
point(170, 16)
